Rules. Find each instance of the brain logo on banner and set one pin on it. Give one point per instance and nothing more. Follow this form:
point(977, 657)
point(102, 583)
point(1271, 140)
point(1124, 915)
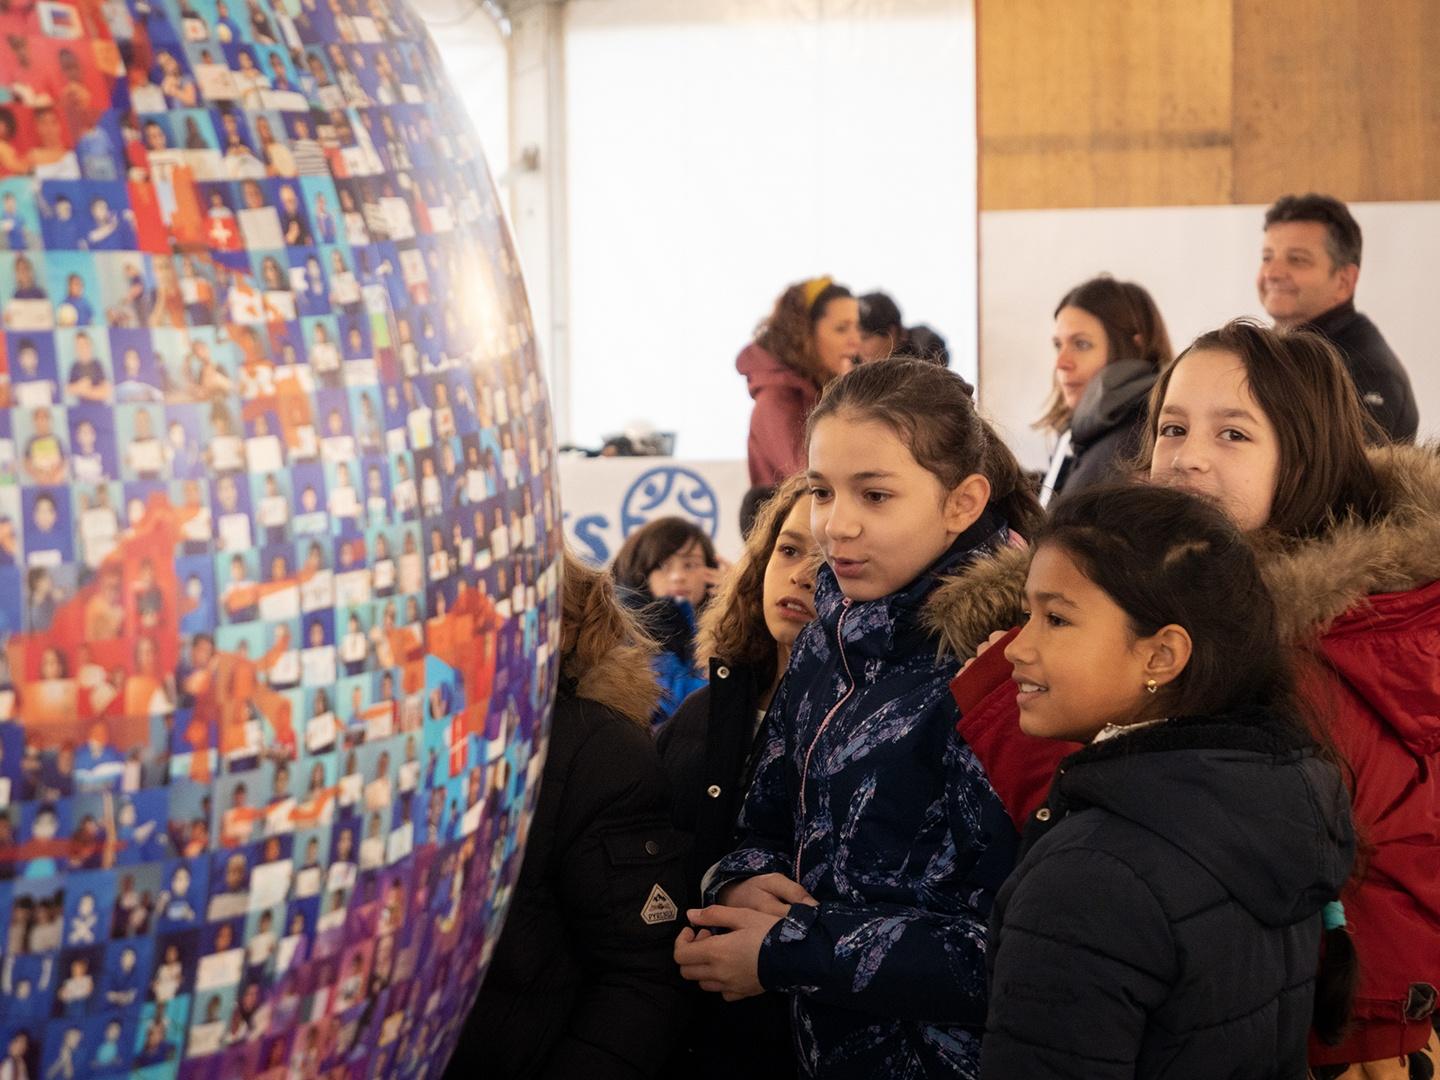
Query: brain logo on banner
point(278, 543)
point(669, 490)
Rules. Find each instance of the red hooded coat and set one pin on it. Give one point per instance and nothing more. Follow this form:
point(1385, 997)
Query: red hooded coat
point(1367, 598)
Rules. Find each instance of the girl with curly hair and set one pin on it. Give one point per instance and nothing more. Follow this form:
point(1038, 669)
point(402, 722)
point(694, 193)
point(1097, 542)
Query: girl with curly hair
point(711, 744)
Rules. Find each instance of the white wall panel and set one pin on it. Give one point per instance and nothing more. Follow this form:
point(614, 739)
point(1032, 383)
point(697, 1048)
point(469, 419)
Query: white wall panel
point(1200, 265)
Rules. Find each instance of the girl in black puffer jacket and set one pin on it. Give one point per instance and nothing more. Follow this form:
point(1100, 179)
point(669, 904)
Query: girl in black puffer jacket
point(1166, 916)
point(581, 983)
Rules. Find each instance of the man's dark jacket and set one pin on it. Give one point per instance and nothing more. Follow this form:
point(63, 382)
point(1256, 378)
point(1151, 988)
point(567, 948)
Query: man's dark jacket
point(1379, 377)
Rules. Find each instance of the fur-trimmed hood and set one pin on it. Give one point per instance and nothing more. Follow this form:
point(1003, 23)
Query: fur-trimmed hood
point(1313, 582)
point(988, 595)
point(622, 680)
point(1316, 581)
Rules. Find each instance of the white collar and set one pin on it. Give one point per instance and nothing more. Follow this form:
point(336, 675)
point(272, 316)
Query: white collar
point(1110, 731)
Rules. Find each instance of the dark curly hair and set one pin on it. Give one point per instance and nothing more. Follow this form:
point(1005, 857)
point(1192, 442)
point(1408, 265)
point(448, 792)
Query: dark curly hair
point(788, 333)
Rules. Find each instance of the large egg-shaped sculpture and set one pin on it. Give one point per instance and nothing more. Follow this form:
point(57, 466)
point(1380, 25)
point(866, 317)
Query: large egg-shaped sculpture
point(278, 543)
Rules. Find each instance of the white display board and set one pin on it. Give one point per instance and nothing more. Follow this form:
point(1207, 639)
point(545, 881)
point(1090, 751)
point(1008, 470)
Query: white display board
point(604, 500)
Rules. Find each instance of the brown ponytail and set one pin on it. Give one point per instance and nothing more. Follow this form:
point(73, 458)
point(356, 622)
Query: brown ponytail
point(1011, 492)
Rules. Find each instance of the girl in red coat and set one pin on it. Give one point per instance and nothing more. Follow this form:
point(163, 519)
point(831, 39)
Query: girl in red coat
point(1269, 424)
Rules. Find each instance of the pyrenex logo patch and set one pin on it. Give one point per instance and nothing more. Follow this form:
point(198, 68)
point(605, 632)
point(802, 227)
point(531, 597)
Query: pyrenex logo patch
point(659, 907)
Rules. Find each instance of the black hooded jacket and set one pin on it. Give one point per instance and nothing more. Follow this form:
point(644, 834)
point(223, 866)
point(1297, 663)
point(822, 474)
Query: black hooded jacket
point(710, 748)
point(1164, 921)
point(582, 982)
point(1106, 426)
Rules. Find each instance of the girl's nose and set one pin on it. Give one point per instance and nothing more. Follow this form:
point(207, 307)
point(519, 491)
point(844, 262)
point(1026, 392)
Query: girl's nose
point(840, 525)
point(1019, 651)
point(1187, 459)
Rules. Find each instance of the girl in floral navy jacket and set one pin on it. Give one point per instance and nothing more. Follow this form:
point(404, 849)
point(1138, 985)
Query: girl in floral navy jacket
point(873, 843)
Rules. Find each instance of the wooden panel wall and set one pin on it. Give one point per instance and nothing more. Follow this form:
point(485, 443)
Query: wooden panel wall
point(1339, 97)
point(1089, 103)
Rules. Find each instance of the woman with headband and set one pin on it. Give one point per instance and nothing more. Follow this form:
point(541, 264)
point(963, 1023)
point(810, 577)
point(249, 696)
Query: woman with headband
point(811, 336)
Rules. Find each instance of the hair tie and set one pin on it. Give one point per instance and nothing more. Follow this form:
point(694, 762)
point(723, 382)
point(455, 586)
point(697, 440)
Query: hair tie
point(813, 288)
point(1333, 915)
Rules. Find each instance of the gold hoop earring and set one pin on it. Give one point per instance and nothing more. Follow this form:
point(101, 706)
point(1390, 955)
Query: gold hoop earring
point(1152, 685)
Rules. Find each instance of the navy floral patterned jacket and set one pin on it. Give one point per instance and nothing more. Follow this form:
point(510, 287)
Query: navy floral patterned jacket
point(866, 795)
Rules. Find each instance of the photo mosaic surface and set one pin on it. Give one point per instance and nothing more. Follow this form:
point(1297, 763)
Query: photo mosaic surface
point(278, 543)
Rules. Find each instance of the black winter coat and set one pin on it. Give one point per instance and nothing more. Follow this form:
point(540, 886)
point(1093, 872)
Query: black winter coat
point(1379, 377)
point(709, 749)
point(1164, 921)
point(582, 983)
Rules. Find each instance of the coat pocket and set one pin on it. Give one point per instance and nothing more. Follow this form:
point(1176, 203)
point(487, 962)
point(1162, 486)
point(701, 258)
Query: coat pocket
point(646, 877)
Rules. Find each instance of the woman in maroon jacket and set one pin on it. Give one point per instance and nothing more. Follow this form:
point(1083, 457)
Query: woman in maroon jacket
point(1269, 425)
point(811, 337)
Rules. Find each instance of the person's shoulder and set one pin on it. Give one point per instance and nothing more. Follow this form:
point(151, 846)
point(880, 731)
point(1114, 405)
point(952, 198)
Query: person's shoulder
point(1357, 334)
point(581, 727)
point(687, 724)
point(1096, 852)
point(605, 762)
point(764, 369)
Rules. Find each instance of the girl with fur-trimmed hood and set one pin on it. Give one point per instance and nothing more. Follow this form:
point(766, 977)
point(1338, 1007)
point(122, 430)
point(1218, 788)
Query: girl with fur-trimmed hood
point(581, 983)
point(1270, 426)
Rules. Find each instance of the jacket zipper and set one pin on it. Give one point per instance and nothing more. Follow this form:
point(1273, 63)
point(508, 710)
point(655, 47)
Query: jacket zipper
point(850, 689)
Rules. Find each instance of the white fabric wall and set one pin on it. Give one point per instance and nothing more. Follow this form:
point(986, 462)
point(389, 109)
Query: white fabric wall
point(719, 149)
point(1200, 265)
point(476, 61)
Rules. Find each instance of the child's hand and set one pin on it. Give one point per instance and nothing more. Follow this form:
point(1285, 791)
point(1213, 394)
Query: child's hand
point(725, 964)
point(714, 575)
point(770, 894)
point(984, 645)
